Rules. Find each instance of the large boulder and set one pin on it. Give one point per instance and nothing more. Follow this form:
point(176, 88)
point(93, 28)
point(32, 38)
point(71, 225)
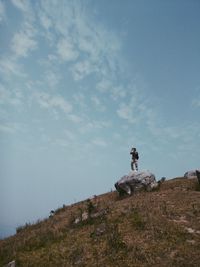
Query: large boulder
point(198, 175)
point(10, 264)
point(191, 174)
point(136, 181)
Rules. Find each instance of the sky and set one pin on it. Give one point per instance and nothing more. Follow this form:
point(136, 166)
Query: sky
point(81, 83)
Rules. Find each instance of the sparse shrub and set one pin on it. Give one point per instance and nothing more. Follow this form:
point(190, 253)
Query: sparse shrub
point(197, 186)
point(71, 219)
point(22, 227)
point(113, 238)
point(90, 207)
point(163, 207)
point(137, 220)
point(76, 256)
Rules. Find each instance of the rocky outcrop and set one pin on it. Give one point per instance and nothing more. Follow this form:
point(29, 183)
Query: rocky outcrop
point(191, 174)
point(11, 264)
point(198, 175)
point(136, 181)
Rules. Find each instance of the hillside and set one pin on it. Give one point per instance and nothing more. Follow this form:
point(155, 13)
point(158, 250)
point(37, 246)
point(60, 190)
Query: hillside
point(160, 228)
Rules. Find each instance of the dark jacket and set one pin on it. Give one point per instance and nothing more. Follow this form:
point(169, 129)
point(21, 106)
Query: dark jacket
point(134, 154)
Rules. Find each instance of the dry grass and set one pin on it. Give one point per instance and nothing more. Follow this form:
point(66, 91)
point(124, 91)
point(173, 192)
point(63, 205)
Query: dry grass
point(160, 228)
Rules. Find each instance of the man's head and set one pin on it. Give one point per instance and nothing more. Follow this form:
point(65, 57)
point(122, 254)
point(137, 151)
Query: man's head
point(133, 148)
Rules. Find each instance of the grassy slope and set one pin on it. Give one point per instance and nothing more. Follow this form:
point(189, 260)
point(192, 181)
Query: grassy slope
point(160, 228)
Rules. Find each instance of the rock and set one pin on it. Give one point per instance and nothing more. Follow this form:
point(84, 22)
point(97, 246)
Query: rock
point(198, 175)
point(10, 264)
point(136, 181)
point(191, 174)
point(86, 216)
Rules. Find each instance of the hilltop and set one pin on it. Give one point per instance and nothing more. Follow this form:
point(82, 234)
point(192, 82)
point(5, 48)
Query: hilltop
point(159, 228)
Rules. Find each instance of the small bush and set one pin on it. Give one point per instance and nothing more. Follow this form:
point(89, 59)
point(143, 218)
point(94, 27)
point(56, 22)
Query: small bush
point(22, 227)
point(137, 220)
point(114, 239)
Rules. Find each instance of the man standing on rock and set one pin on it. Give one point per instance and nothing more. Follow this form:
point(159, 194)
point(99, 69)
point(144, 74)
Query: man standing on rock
point(135, 157)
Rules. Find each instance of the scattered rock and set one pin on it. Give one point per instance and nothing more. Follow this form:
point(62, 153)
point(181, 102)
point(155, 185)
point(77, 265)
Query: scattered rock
point(100, 230)
point(173, 253)
point(86, 216)
point(190, 230)
point(191, 241)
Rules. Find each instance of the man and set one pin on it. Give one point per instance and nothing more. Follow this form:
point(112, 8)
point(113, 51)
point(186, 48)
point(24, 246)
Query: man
point(135, 157)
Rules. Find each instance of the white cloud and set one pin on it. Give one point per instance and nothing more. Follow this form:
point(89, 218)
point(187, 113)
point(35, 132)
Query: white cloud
point(7, 96)
point(10, 67)
point(23, 5)
point(2, 11)
point(104, 85)
point(11, 127)
point(48, 101)
point(74, 118)
point(66, 50)
point(82, 69)
point(22, 43)
point(99, 142)
point(4, 94)
point(24, 40)
point(128, 111)
point(80, 100)
point(71, 136)
point(51, 78)
point(81, 35)
point(196, 102)
point(45, 20)
point(62, 142)
point(98, 104)
point(90, 125)
point(118, 92)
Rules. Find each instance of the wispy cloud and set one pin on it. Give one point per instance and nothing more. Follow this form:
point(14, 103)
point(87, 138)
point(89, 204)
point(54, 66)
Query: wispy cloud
point(70, 135)
point(196, 102)
point(10, 67)
point(23, 42)
point(11, 127)
point(91, 125)
point(45, 21)
point(129, 110)
point(98, 103)
point(79, 35)
point(48, 101)
point(23, 5)
point(62, 142)
point(7, 96)
point(82, 69)
point(66, 50)
point(2, 12)
point(118, 92)
point(104, 85)
point(51, 78)
point(99, 142)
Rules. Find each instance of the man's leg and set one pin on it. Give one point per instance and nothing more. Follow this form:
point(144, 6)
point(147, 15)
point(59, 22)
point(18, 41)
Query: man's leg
point(136, 165)
point(132, 165)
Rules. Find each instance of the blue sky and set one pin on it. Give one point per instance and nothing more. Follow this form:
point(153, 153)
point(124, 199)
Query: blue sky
point(81, 82)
